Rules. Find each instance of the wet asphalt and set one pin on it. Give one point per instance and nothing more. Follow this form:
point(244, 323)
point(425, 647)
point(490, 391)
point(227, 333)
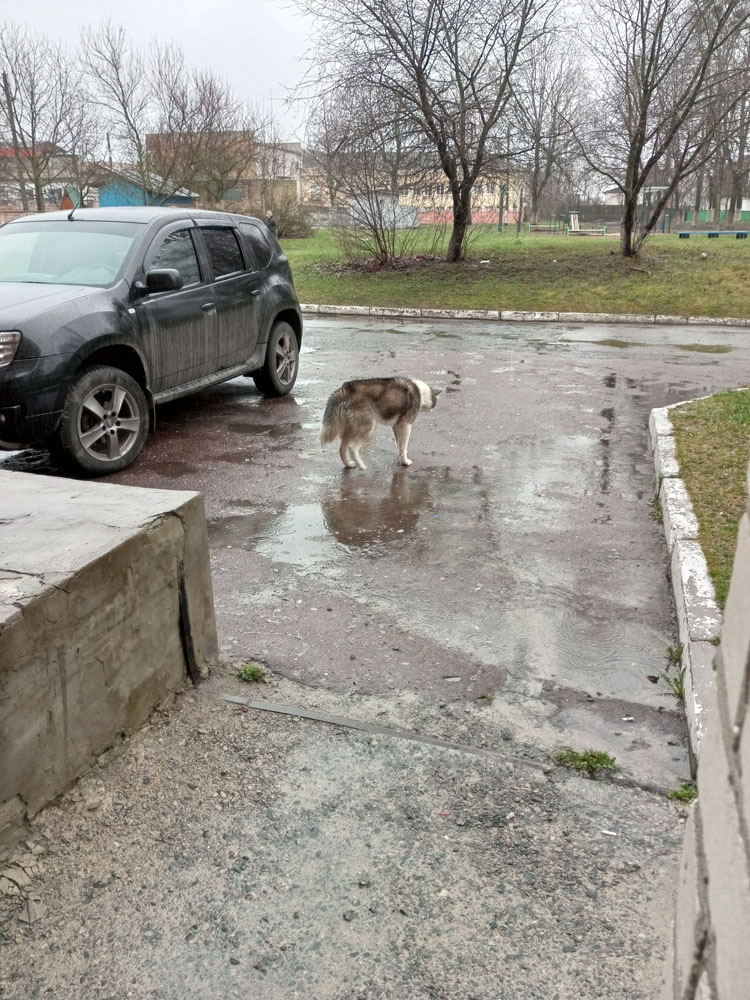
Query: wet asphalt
point(508, 592)
point(516, 566)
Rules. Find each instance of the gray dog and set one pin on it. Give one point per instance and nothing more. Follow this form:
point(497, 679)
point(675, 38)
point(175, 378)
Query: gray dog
point(353, 411)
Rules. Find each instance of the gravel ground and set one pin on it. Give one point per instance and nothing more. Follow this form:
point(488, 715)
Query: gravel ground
point(227, 853)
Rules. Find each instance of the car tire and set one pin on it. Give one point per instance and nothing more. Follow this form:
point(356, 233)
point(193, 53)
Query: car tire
point(104, 422)
point(279, 371)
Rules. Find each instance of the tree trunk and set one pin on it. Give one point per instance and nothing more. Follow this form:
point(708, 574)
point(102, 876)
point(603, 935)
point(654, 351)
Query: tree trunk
point(461, 221)
point(38, 187)
point(698, 197)
point(628, 228)
point(16, 148)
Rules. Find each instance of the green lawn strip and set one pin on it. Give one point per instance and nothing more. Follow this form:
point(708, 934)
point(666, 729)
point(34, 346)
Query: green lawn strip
point(713, 449)
point(557, 273)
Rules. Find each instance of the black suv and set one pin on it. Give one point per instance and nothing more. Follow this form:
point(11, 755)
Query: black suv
point(106, 312)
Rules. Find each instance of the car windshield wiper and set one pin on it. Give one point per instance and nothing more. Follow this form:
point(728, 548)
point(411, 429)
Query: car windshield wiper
point(31, 281)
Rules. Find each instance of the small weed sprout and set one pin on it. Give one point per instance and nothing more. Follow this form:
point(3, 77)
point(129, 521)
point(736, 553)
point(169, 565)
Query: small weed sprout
point(685, 793)
point(677, 684)
point(252, 672)
point(590, 762)
point(715, 640)
point(488, 696)
point(657, 514)
point(674, 653)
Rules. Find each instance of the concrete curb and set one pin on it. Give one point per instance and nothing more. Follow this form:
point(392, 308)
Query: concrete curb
point(521, 316)
point(698, 617)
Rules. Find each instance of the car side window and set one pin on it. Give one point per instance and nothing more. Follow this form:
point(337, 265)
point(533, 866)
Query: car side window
point(177, 250)
point(257, 243)
point(223, 251)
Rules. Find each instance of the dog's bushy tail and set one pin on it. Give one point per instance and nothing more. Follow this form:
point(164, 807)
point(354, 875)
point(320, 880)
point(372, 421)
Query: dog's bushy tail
point(331, 418)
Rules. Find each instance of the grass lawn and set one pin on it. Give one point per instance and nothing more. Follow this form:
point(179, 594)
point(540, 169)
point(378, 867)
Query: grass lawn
point(713, 449)
point(558, 273)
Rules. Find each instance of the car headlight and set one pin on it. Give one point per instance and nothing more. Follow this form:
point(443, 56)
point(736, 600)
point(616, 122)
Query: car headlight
point(9, 342)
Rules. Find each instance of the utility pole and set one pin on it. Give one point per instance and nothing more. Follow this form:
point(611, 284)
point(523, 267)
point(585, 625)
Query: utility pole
point(16, 147)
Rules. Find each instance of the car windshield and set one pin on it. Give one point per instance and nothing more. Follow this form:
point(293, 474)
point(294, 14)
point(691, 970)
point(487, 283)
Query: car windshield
point(66, 253)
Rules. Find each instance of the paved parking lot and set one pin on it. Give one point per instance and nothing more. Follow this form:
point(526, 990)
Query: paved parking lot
point(515, 566)
point(508, 592)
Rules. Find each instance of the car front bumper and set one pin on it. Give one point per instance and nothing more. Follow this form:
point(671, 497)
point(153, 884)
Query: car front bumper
point(32, 396)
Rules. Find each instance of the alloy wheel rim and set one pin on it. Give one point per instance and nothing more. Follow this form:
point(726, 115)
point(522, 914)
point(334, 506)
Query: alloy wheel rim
point(286, 358)
point(108, 422)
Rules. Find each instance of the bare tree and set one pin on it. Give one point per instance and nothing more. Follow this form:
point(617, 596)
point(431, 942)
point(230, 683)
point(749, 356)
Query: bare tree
point(550, 99)
point(664, 81)
point(177, 126)
point(728, 172)
point(368, 160)
point(205, 136)
point(83, 136)
point(448, 64)
point(121, 87)
point(39, 90)
point(325, 140)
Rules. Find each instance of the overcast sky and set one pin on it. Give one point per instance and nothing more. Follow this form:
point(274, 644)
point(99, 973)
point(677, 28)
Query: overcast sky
point(258, 45)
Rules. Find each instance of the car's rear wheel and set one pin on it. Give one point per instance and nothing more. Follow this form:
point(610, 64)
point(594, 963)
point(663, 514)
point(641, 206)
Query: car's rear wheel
point(279, 371)
point(105, 421)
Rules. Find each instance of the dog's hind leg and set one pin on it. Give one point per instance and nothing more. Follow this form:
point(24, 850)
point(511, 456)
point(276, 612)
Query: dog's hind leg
point(402, 431)
point(345, 453)
point(366, 429)
point(354, 452)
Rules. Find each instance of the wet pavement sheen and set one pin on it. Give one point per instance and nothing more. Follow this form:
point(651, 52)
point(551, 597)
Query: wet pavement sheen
point(516, 566)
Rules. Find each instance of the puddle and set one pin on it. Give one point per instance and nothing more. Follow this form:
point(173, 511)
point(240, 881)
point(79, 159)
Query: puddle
point(359, 516)
point(705, 348)
point(241, 531)
point(620, 344)
point(605, 473)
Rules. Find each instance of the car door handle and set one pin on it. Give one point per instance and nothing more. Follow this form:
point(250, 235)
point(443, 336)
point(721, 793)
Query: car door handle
point(255, 291)
point(207, 306)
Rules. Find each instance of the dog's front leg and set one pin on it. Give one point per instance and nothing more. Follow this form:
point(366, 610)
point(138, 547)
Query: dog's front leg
point(402, 431)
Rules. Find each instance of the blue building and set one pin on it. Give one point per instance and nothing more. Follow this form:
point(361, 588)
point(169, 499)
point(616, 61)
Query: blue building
point(118, 188)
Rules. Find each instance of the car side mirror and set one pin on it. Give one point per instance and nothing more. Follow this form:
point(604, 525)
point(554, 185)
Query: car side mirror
point(160, 279)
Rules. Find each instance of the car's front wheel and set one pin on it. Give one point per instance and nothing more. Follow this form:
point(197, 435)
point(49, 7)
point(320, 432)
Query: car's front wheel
point(279, 371)
point(105, 421)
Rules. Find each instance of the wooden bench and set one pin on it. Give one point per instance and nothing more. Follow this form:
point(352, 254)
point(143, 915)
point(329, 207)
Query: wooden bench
point(575, 228)
point(739, 234)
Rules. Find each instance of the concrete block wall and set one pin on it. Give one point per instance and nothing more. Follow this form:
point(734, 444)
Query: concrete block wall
point(106, 607)
point(710, 952)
